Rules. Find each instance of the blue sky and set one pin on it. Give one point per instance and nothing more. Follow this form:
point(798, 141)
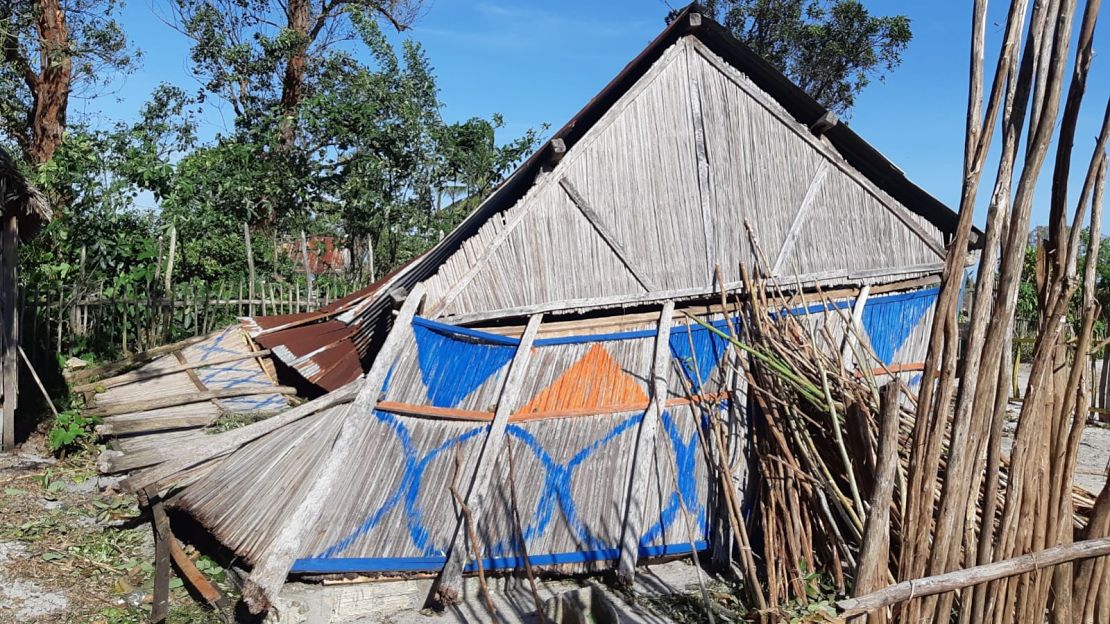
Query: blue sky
point(537, 62)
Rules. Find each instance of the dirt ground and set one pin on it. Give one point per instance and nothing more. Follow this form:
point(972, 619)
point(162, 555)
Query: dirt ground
point(72, 549)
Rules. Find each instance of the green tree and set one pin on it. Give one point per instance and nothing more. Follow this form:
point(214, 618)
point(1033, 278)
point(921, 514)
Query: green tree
point(832, 49)
point(52, 50)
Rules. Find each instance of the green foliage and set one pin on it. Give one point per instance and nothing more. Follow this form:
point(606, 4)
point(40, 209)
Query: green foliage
point(97, 50)
point(831, 48)
point(71, 429)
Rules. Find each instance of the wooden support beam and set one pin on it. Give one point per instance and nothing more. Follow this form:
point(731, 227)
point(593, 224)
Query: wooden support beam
point(701, 154)
point(273, 563)
point(824, 123)
point(799, 221)
point(959, 579)
point(141, 375)
point(606, 234)
point(446, 588)
point(644, 456)
point(9, 330)
point(826, 279)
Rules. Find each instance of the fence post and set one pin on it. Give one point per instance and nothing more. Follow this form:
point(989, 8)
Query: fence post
point(307, 267)
point(169, 257)
point(250, 268)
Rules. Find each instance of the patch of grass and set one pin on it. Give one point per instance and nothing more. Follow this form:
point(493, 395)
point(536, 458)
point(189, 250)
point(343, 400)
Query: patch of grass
point(227, 422)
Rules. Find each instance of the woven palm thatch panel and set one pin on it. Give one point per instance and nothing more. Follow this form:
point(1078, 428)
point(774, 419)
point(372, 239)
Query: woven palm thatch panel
point(221, 344)
point(238, 374)
point(394, 511)
point(673, 172)
point(762, 171)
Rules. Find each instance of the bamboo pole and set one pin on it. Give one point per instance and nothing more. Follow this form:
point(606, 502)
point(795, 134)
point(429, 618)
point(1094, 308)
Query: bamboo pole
point(958, 579)
point(250, 268)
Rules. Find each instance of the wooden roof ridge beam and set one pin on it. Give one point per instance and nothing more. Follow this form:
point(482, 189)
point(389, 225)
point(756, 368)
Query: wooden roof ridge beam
point(274, 562)
point(605, 233)
point(644, 454)
point(446, 588)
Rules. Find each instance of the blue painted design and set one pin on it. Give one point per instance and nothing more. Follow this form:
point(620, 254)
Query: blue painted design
point(435, 563)
point(686, 453)
point(889, 320)
point(407, 490)
point(698, 351)
point(453, 368)
point(558, 478)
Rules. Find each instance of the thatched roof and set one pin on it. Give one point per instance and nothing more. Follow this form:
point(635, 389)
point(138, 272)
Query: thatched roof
point(19, 198)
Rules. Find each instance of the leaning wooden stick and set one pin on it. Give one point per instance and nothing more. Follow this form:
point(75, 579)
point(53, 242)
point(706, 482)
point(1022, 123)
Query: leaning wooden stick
point(959, 579)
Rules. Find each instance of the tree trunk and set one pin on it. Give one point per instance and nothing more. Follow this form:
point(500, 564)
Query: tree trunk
point(51, 88)
point(292, 83)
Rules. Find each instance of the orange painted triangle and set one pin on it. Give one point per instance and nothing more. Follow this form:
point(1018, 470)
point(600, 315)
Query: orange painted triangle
point(596, 380)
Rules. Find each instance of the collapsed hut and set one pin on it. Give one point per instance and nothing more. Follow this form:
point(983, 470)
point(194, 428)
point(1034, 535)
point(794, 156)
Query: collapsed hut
point(532, 391)
point(24, 212)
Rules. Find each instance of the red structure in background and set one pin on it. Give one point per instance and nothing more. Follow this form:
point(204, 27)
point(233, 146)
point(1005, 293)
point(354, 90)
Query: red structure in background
point(324, 255)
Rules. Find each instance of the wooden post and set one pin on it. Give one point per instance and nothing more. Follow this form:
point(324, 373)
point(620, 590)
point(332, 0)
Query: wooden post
point(307, 267)
point(273, 563)
point(874, 557)
point(9, 329)
point(250, 269)
point(169, 258)
point(446, 588)
point(644, 455)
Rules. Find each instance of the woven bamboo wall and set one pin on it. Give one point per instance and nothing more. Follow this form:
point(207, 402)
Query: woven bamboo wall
point(673, 172)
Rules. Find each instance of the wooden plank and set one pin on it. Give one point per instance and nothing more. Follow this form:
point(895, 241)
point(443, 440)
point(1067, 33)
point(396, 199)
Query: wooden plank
point(800, 218)
point(145, 422)
point(141, 375)
point(826, 150)
point(958, 579)
point(184, 456)
point(275, 560)
point(446, 588)
point(9, 328)
point(605, 233)
point(825, 279)
point(644, 457)
point(113, 409)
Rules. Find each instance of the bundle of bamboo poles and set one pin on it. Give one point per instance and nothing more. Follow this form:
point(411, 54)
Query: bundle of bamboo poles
point(825, 439)
point(828, 440)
